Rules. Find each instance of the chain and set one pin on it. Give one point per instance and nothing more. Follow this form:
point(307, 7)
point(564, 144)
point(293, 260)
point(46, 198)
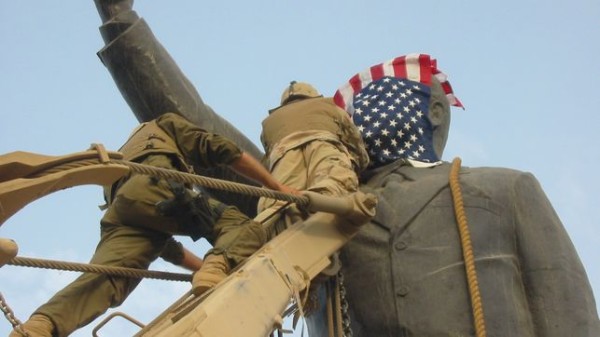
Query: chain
point(344, 307)
point(10, 316)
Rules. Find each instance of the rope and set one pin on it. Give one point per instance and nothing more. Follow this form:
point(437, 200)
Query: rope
point(467, 248)
point(99, 269)
point(188, 178)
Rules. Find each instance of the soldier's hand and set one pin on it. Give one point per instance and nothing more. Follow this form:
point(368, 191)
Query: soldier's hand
point(289, 190)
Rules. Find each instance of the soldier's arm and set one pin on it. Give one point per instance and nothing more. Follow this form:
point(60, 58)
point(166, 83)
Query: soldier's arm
point(191, 261)
point(174, 252)
point(249, 167)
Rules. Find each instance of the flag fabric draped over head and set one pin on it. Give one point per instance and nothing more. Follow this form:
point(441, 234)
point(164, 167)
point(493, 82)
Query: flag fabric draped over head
point(389, 104)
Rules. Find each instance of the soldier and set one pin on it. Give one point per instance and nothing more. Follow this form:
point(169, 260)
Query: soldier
point(311, 144)
point(144, 212)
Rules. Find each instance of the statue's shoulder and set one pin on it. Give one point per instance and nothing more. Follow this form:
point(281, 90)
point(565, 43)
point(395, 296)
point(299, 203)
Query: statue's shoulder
point(500, 181)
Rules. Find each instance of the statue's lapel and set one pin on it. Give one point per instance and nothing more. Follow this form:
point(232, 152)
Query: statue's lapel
point(405, 191)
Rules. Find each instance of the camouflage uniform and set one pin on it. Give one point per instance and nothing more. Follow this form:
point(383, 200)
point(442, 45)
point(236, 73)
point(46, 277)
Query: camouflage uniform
point(311, 144)
point(134, 233)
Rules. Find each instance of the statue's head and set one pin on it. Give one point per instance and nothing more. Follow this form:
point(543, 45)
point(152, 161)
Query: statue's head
point(402, 109)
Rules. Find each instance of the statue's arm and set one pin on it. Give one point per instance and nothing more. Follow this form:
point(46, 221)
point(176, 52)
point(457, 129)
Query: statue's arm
point(152, 84)
point(558, 291)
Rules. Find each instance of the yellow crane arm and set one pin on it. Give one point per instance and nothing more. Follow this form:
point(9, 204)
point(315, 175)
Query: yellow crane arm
point(25, 176)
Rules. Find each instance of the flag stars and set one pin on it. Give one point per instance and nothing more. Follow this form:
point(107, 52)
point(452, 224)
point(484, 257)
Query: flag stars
point(390, 113)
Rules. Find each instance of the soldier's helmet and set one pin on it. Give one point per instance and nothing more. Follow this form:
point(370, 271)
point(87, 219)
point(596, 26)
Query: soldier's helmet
point(298, 90)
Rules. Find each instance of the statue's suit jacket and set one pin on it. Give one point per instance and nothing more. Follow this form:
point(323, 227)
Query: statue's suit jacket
point(404, 272)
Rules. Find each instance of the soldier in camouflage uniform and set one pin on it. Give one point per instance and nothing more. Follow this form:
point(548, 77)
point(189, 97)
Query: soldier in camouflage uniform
point(144, 213)
point(311, 144)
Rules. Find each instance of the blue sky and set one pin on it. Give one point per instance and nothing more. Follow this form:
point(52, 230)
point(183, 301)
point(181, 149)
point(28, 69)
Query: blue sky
point(525, 70)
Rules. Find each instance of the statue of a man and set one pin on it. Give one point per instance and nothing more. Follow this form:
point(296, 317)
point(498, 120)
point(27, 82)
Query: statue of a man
point(405, 272)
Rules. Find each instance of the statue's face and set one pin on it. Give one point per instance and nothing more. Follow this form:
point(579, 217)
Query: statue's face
point(439, 115)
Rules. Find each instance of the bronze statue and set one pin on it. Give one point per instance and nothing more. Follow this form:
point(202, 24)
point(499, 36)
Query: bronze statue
point(404, 272)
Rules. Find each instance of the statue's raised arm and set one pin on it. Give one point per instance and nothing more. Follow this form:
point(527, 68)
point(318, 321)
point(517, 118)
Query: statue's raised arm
point(153, 84)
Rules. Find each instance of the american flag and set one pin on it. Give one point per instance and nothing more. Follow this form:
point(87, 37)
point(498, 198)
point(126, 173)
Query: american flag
point(389, 103)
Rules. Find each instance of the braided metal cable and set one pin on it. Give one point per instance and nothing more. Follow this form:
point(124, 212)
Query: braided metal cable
point(182, 177)
point(212, 182)
point(99, 269)
point(467, 247)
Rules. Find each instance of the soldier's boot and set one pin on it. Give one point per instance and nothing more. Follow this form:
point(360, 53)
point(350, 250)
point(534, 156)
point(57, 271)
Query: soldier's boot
point(215, 269)
point(111, 8)
point(36, 326)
